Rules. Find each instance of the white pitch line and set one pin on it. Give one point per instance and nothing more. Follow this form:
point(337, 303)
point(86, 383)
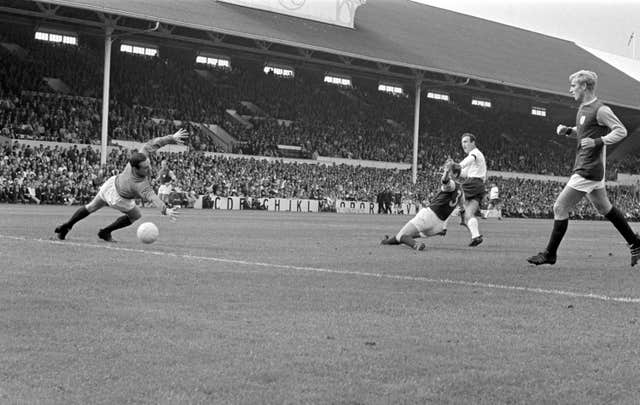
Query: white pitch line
point(477, 284)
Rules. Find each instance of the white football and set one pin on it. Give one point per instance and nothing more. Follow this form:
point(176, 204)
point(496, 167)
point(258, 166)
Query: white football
point(148, 232)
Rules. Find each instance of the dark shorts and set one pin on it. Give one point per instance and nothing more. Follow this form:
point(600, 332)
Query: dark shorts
point(474, 189)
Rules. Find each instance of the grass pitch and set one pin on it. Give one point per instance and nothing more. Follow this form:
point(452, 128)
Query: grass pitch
point(275, 308)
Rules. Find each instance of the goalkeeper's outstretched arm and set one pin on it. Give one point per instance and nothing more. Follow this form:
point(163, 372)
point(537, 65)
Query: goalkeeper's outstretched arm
point(156, 143)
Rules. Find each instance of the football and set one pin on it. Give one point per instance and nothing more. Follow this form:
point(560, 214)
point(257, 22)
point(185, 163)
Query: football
point(148, 232)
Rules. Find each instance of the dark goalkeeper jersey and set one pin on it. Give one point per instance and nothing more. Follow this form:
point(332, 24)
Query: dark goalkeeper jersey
point(131, 186)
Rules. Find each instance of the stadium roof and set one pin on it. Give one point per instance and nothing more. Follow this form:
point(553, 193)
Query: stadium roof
point(395, 37)
point(629, 66)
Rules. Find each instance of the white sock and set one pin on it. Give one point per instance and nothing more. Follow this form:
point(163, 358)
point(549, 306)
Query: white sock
point(473, 227)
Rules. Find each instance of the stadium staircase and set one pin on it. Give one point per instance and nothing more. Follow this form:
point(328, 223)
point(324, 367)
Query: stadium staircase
point(257, 111)
point(396, 126)
point(240, 119)
point(204, 74)
point(57, 85)
point(351, 96)
point(15, 49)
point(219, 136)
point(215, 81)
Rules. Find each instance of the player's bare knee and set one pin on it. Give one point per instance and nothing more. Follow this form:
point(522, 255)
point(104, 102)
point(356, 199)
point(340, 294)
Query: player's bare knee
point(603, 209)
point(470, 210)
point(600, 203)
point(560, 211)
point(92, 208)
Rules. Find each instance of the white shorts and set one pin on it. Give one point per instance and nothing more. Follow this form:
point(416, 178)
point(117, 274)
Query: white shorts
point(109, 194)
point(579, 183)
point(427, 222)
point(164, 189)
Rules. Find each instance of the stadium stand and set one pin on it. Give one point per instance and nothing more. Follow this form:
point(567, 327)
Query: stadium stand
point(73, 175)
point(51, 92)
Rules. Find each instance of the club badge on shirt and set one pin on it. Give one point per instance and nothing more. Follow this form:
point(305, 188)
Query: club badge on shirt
point(582, 118)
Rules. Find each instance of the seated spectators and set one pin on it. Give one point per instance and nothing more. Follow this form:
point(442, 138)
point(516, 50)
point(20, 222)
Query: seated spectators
point(56, 175)
point(155, 95)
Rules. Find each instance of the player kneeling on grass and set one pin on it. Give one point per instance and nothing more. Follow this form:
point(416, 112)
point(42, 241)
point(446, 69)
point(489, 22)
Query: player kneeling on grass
point(121, 191)
point(429, 221)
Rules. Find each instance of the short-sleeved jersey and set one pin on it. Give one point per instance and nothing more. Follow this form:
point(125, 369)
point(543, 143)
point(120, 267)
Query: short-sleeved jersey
point(494, 193)
point(474, 165)
point(131, 186)
point(446, 200)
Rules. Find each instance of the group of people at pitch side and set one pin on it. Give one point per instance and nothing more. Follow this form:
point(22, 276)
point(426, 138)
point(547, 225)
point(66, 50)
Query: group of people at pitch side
point(462, 183)
point(596, 127)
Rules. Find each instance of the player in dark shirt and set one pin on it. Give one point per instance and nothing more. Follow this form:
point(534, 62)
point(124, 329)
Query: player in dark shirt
point(596, 127)
point(429, 221)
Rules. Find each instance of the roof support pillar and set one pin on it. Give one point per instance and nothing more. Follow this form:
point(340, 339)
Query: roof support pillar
point(105, 94)
point(416, 131)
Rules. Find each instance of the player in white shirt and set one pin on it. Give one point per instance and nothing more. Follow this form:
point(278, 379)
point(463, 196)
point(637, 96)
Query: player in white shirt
point(494, 200)
point(474, 168)
point(165, 178)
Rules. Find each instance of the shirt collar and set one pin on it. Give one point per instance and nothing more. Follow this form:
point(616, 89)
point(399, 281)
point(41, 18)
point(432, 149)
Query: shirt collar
point(589, 102)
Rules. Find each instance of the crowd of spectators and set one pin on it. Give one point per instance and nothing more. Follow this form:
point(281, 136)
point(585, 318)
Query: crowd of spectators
point(48, 175)
point(74, 119)
point(528, 198)
point(55, 175)
point(149, 94)
point(75, 172)
point(152, 96)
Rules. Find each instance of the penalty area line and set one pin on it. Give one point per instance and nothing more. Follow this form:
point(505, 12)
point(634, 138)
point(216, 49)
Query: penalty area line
point(463, 283)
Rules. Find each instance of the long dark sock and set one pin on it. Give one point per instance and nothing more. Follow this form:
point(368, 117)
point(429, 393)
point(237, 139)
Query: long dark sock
point(121, 222)
point(408, 240)
point(622, 225)
point(80, 214)
point(559, 229)
point(390, 241)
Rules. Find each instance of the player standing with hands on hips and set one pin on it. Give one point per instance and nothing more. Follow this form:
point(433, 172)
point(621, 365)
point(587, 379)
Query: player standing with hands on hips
point(596, 127)
point(120, 191)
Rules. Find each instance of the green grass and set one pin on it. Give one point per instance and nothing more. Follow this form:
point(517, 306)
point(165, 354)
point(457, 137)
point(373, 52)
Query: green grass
point(267, 308)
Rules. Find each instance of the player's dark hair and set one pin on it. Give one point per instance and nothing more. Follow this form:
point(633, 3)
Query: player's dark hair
point(137, 158)
point(472, 137)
